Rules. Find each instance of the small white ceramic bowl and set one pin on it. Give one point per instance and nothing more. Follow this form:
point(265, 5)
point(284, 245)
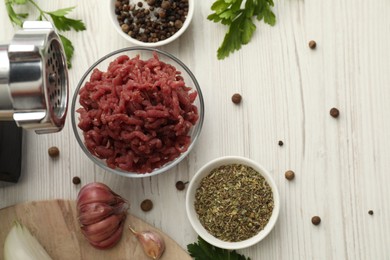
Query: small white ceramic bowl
point(114, 21)
point(193, 217)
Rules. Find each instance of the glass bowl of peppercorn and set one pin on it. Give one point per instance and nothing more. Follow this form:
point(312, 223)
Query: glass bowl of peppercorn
point(232, 202)
point(151, 23)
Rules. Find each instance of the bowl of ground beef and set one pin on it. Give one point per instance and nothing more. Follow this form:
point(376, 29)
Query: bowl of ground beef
point(151, 23)
point(137, 111)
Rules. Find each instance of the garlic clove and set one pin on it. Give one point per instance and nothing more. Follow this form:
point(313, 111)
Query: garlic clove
point(152, 243)
point(103, 229)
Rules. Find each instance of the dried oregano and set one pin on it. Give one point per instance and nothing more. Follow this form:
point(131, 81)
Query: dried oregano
point(234, 202)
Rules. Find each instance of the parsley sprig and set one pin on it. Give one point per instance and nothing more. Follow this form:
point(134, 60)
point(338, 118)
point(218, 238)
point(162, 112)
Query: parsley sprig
point(58, 18)
point(240, 21)
point(204, 251)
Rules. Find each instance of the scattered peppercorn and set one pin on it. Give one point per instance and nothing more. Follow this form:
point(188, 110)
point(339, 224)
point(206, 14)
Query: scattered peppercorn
point(334, 112)
point(280, 143)
point(76, 180)
point(371, 212)
point(181, 185)
point(236, 98)
point(54, 152)
point(289, 175)
point(146, 205)
point(316, 220)
point(312, 44)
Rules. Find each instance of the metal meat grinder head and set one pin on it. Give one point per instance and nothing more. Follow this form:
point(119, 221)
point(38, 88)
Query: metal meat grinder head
point(34, 79)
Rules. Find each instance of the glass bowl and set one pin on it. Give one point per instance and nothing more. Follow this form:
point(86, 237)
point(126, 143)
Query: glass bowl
point(144, 53)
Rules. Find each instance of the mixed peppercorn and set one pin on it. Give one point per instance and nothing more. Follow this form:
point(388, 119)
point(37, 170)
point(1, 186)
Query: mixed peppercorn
point(151, 20)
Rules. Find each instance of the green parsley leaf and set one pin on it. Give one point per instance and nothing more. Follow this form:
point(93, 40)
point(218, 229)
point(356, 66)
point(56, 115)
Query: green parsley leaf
point(13, 16)
point(66, 24)
point(240, 21)
point(62, 12)
point(68, 48)
point(19, 2)
point(58, 18)
point(204, 251)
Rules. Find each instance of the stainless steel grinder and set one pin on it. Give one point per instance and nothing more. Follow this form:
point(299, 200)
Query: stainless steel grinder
point(34, 79)
point(33, 91)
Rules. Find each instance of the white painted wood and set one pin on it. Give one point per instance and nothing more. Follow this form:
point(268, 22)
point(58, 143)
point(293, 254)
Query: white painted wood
point(341, 165)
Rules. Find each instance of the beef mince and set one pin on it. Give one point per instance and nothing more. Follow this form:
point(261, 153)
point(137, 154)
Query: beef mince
point(138, 114)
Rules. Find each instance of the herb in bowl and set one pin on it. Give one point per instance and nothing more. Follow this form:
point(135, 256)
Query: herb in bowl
point(240, 21)
point(58, 18)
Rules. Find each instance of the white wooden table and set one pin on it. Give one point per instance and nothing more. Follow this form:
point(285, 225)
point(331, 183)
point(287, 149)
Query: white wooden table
point(341, 165)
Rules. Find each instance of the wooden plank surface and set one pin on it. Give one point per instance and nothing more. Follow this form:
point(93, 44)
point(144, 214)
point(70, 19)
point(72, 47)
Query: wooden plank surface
point(341, 164)
point(54, 223)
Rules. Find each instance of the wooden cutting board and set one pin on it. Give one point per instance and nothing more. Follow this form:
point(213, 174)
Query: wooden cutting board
point(55, 226)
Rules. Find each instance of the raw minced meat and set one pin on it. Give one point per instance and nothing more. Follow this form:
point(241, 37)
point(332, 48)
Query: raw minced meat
point(137, 115)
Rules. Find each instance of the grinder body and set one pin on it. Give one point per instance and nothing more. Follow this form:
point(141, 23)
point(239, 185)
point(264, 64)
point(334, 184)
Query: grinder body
point(34, 79)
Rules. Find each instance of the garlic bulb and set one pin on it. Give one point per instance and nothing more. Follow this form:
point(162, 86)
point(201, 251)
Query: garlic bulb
point(152, 243)
point(21, 245)
point(101, 214)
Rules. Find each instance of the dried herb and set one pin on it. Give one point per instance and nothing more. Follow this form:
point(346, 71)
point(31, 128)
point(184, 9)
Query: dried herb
point(204, 251)
point(234, 202)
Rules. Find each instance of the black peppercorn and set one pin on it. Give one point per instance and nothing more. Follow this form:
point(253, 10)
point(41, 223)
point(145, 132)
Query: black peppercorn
point(236, 98)
point(178, 24)
point(146, 205)
point(280, 143)
point(76, 180)
point(371, 212)
point(290, 175)
point(53, 152)
point(312, 44)
point(316, 220)
point(181, 185)
point(165, 4)
point(125, 28)
point(334, 112)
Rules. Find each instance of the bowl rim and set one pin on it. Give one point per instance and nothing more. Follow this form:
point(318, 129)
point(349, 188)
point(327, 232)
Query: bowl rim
point(187, 22)
point(197, 128)
point(192, 215)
